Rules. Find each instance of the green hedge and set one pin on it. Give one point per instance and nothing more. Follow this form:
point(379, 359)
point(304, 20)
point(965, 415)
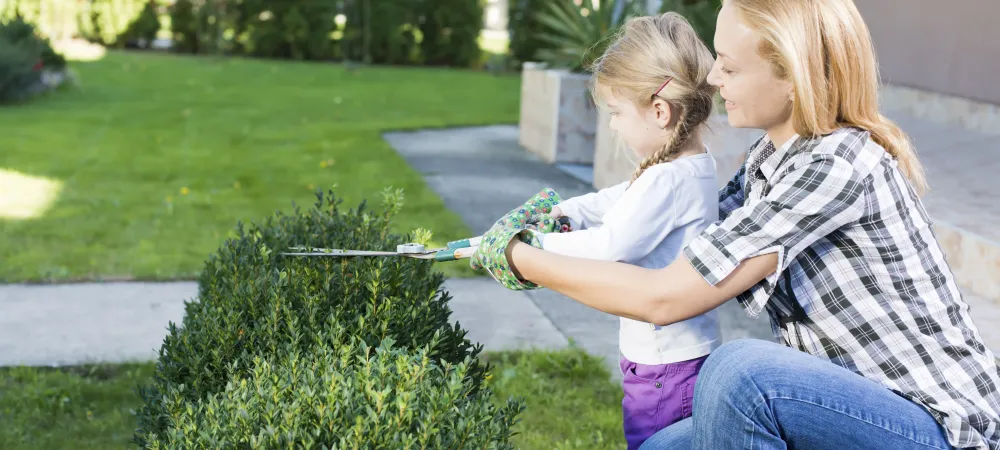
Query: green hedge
point(381, 31)
point(254, 304)
point(450, 31)
point(400, 32)
point(348, 397)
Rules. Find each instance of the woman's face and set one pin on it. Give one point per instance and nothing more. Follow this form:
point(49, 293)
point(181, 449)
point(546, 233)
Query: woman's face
point(755, 97)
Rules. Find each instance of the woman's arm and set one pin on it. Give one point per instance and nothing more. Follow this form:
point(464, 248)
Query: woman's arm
point(662, 296)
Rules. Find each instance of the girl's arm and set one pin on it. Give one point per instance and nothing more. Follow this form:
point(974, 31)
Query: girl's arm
point(587, 210)
point(634, 226)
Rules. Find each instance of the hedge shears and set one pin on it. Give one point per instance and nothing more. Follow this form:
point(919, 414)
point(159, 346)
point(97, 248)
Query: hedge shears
point(455, 250)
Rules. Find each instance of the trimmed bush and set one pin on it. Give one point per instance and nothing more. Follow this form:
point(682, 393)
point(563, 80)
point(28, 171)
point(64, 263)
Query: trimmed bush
point(450, 32)
point(254, 303)
point(349, 397)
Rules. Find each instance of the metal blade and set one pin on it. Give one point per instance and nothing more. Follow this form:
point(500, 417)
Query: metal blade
point(338, 252)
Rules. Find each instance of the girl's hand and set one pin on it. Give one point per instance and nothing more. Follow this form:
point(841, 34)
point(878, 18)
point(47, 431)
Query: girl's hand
point(491, 254)
point(556, 212)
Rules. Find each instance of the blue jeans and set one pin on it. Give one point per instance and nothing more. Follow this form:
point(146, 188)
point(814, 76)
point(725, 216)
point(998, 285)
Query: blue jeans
point(758, 395)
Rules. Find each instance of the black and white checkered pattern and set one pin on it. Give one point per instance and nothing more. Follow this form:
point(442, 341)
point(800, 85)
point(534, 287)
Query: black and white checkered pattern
point(861, 279)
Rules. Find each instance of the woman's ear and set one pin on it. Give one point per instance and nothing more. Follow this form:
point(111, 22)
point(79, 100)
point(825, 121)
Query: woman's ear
point(662, 113)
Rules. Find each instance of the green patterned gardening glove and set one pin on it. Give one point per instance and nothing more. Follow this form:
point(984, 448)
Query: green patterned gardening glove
point(492, 256)
point(541, 202)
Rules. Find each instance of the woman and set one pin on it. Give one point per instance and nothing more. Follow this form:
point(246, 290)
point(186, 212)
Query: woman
point(823, 229)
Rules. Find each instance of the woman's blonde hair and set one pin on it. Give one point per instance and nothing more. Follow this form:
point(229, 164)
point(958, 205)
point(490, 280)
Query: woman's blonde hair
point(647, 52)
point(824, 48)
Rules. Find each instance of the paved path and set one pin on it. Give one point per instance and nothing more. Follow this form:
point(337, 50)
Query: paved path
point(44, 325)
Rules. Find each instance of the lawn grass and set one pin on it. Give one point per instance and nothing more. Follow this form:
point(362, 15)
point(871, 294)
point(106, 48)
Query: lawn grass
point(571, 404)
point(85, 407)
point(144, 169)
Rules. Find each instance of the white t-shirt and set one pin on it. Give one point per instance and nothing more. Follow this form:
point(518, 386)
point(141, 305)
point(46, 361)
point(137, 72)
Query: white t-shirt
point(648, 224)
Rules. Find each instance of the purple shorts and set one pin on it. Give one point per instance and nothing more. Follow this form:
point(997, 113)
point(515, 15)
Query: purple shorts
point(656, 396)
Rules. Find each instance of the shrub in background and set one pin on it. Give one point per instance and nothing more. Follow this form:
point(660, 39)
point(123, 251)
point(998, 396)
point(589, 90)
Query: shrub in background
point(253, 303)
point(18, 31)
point(380, 31)
point(450, 32)
point(701, 13)
point(294, 29)
point(18, 71)
point(105, 21)
point(578, 34)
point(524, 30)
point(23, 56)
point(142, 28)
point(184, 26)
point(352, 396)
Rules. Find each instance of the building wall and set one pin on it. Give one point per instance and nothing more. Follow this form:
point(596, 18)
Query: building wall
point(947, 47)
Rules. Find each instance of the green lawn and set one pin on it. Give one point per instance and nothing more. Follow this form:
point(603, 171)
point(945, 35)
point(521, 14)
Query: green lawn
point(571, 404)
point(142, 171)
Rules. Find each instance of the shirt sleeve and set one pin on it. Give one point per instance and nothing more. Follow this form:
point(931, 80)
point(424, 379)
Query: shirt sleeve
point(588, 210)
point(635, 226)
point(814, 197)
point(731, 195)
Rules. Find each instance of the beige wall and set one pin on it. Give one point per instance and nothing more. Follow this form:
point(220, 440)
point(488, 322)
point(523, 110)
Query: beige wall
point(945, 46)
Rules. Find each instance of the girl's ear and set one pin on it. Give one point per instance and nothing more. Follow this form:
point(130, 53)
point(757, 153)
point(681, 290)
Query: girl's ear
point(662, 112)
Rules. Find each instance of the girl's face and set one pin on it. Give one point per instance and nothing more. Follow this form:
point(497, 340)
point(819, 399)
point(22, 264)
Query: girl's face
point(755, 97)
point(642, 128)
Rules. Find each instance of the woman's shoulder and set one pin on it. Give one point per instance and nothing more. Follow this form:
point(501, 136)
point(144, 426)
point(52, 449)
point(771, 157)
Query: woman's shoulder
point(850, 145)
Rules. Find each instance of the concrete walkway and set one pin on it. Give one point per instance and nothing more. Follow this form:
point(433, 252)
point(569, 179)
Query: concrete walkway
point(45, 325)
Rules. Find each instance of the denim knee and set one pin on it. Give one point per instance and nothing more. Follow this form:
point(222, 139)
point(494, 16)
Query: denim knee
point(730, 369)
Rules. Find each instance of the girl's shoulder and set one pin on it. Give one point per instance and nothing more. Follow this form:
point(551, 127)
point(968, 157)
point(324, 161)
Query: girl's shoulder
point(700, 166)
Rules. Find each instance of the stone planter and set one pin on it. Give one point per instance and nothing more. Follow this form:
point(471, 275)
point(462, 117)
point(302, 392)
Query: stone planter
point(558, 116)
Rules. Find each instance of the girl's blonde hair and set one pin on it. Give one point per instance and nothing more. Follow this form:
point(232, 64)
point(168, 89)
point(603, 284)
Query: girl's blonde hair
point(647, 52)
point(824, 48)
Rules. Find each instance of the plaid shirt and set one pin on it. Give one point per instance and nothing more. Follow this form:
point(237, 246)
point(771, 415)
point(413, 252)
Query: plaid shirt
point(861, 280)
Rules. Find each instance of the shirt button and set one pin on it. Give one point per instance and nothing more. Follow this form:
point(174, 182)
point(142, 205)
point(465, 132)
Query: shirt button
point(658, 384)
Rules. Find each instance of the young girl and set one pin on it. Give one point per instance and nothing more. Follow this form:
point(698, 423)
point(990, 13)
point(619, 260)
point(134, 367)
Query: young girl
point(653, 81)
point(823, 230)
